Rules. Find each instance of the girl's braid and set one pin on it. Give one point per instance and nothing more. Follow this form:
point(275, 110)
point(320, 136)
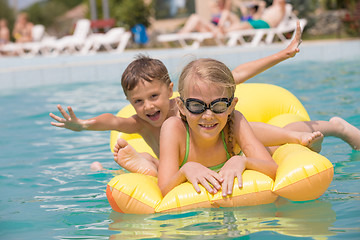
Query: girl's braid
point(230, 135)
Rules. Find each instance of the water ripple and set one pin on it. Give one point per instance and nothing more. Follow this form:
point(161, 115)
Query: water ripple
point(49, 190)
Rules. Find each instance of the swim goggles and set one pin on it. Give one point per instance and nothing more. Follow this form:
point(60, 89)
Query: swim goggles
point(196, 106)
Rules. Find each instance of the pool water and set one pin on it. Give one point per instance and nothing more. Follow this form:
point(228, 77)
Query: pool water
point(49, 192)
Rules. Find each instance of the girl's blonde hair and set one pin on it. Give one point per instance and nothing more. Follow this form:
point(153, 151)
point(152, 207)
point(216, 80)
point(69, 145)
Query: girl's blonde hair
point(207, 70)
point(216, 74)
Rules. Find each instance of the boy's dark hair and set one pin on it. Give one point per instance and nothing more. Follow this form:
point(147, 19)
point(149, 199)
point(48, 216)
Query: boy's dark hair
point(144, 68)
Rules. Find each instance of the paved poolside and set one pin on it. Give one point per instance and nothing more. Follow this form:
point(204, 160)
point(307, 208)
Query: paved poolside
point(21, 73)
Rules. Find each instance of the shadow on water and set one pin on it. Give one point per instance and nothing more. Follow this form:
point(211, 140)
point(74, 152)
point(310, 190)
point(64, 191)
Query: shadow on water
point(283, 218)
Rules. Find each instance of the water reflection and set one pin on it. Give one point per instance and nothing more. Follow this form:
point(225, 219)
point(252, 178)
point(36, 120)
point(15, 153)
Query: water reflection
point(300, 219)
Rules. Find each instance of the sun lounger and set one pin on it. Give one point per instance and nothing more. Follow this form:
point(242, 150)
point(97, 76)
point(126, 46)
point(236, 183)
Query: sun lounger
point(115, 40)
point(188, 40)
point(28, 48)
point(34, 48)
point(72, 43)
point(255, 37)
point(11, 49)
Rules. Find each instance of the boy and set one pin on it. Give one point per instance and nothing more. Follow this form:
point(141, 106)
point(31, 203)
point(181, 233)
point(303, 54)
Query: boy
point(147, 86)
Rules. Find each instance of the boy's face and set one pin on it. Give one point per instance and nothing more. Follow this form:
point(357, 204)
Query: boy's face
point(151, 101)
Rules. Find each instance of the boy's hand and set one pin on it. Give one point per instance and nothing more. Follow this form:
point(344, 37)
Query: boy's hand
point(293, 47)
point(70, 121)
point(197, 173)
point(234, 167)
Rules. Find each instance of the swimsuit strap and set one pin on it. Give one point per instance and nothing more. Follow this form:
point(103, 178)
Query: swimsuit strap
point(188, 143)
point(224, 142)
point(219, 166)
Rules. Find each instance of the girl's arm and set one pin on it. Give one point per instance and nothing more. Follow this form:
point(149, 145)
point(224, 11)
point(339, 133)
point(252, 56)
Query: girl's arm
point(172, 151)
point(260, 158)
point(102, 122)
point(248, 70)
point(256, 156)
point(169, 175)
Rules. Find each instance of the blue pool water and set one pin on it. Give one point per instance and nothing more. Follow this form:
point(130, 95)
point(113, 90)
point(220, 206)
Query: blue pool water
point(49, 192)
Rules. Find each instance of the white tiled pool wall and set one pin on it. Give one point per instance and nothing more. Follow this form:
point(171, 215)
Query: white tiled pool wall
point(21, 73)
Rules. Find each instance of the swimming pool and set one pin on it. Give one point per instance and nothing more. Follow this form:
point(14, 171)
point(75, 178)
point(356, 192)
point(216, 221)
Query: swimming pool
point(49, 192)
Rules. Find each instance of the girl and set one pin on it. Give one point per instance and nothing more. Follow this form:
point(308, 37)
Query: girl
point(204, 145)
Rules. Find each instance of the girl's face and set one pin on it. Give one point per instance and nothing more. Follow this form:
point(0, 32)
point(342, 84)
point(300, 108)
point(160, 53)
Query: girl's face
point(151, 101)
point(210, 122)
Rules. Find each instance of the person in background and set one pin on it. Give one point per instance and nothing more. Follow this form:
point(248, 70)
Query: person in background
point(23, 29)
point(250, 10)
point(4, 32)
point(195, 22)
point(269, 17)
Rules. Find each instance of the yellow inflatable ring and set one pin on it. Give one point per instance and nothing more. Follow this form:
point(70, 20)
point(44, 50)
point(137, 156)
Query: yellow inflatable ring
point(302, 174)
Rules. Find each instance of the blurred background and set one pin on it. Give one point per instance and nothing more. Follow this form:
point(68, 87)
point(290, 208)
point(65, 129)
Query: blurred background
point(327, 19)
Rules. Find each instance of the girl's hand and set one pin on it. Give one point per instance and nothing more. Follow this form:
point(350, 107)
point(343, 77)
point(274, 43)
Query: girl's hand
point(293, 47)
point(234, 167)
point(197, 173)
point(70, 121)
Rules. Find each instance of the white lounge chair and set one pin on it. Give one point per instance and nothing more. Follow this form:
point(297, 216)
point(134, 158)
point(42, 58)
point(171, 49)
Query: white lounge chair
point(11, 49)
point(286, 27)
point(34, 47)
point(188, 40)
point(28, 48)
point(254, 37)
point(72, 43)
point(114, 40)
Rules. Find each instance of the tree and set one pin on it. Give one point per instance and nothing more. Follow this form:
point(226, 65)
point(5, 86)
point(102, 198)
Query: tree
point(46, 12)
point(7, 12)
point(128, 13)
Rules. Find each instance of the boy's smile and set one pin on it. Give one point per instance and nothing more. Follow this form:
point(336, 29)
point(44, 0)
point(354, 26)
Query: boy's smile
point(151, 101)
point(154, 117)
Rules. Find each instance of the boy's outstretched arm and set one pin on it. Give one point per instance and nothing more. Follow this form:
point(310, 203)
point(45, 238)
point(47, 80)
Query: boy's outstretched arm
point(103, 122)
point(248, 70)
point(69, 120)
